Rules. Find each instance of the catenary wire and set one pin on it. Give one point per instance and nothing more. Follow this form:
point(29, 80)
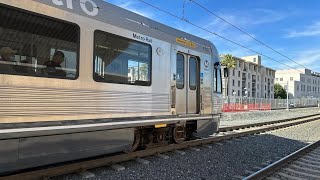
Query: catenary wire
point(239, 29)
point(222, 37)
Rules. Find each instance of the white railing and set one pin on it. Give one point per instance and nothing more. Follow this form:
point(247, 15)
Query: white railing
point(231, 104)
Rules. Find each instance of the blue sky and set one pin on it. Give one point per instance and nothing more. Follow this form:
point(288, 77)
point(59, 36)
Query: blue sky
point(289, 26)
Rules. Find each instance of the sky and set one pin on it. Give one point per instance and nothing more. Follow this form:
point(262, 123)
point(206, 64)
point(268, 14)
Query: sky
point(291, 27)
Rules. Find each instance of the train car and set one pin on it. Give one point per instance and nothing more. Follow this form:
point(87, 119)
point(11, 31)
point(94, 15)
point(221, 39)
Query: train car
point(83, 78)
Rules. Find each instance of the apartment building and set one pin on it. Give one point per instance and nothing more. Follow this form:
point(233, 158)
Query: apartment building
point(301, 83)
point(250, 79)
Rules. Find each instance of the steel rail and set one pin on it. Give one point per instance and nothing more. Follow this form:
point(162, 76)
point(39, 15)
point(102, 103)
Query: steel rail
point(272, 168)
point(230, 128)
point(82, 165)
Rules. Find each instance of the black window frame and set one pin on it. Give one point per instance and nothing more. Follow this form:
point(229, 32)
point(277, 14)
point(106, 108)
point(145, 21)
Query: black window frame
point(124, 38)
point(57, 20)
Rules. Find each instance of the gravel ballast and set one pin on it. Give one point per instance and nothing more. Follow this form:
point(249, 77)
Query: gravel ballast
point(227, 160)
point(240, 118)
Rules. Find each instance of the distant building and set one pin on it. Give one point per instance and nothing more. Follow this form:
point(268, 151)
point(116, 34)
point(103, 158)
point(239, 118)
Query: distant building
point(301, 82)
point(250, 79)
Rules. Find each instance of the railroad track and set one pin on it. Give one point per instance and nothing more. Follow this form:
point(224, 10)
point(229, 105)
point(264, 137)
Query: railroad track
point(302, 164)
point(223, 134)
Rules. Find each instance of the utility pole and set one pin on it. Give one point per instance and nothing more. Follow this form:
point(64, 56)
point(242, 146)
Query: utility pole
point(287, 96)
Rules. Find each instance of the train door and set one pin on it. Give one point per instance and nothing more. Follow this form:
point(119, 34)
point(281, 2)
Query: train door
point(187, 84)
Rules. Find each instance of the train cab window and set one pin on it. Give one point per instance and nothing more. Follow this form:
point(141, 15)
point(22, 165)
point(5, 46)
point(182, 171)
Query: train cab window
point(121, 60)
point(217, 80)
point(35, 45)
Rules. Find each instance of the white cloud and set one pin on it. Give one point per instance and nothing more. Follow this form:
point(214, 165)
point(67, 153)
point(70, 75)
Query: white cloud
point(134, 7)
point(309, 58)
point(255, 17)
point(310, 30)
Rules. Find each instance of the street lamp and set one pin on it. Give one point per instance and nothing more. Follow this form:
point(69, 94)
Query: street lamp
point(287, 96)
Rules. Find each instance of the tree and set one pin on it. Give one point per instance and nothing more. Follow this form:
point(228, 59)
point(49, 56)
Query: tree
point(279, 92)
point(228, 62)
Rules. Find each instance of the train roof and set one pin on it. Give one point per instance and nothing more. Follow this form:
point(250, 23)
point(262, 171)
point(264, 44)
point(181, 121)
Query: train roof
point(123, 18)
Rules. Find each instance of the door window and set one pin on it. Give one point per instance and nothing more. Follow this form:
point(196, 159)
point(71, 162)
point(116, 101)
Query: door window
point(180, 71)
point(193, 73)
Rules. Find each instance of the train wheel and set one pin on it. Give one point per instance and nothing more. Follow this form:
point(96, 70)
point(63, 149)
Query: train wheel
point(137, 140)
point(179, 133)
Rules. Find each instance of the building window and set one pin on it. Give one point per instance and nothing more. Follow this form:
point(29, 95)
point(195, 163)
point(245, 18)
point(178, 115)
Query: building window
point(232, 82)
point(233, 72)
point(238, 83)
point(297, 87)
point(238, 92)
point(34, 45)
point(116, 56)
point(258, 86)
point(291, 78)
point(248, 75)
point(281, 79)
point(277, 79)
point(254, 59)
point(248, 84)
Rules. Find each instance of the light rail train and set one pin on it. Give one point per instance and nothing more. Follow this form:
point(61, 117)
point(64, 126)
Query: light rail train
point(83, 78)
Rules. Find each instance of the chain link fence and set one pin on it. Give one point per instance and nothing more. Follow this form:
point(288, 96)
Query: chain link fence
point(233, 104)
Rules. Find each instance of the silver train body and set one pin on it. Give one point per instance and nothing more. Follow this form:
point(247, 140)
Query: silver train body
point(45, 120)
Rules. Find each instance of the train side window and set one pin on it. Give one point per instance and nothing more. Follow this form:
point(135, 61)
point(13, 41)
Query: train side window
point(121, 60)
point(36, 45)
point(180, 71)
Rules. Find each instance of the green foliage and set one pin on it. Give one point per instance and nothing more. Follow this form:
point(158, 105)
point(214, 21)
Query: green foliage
point(228, 61)
point(279, 92)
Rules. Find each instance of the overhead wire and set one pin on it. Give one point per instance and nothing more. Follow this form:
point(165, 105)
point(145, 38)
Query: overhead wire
point(210, 32)
point(239, 29)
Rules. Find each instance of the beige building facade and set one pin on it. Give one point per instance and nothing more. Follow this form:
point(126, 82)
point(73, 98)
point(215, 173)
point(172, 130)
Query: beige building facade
point(301, 83)
point(249, 79)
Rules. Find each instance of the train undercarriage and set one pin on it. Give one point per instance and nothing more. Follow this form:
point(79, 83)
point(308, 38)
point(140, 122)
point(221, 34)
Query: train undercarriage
point(163, 134)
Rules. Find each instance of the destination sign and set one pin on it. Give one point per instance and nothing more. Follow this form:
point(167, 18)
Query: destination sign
point(186, 42)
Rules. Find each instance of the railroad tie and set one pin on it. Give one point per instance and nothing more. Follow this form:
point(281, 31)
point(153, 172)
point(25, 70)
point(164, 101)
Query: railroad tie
point(307, 165)
point(302, 173)
point(288, 176)
point(308, 170)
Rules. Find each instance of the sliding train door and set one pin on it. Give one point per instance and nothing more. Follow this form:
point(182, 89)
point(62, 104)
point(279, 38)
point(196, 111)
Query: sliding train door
point(187, 84)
